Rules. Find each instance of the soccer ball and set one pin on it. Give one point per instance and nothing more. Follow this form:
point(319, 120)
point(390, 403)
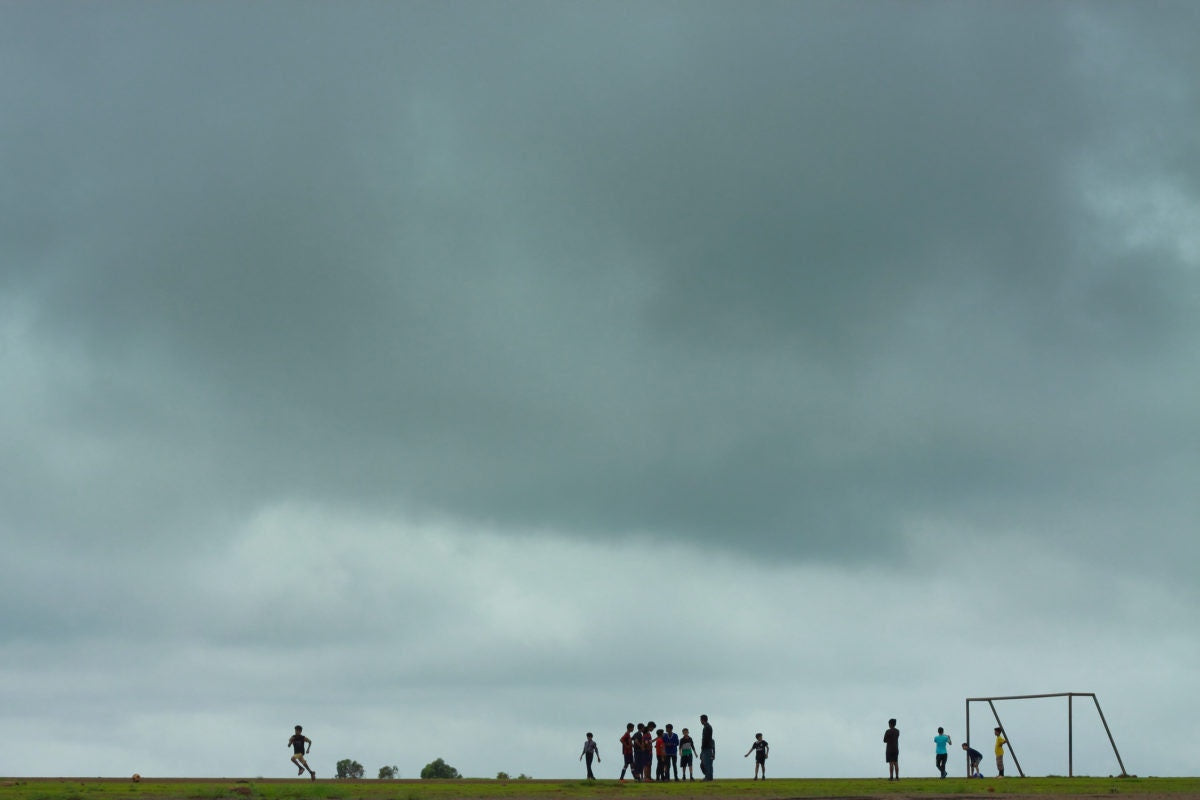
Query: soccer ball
point(136, 777)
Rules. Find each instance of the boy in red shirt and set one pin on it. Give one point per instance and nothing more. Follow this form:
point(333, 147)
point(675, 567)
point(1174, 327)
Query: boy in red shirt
point(647, 749)
point(627, 753)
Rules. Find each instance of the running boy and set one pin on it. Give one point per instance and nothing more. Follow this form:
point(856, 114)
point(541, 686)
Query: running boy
point(301, 745)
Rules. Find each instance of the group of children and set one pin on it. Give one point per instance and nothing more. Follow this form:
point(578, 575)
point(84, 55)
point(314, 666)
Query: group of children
point(641, 743)
point(644, 746)
point(891, 739)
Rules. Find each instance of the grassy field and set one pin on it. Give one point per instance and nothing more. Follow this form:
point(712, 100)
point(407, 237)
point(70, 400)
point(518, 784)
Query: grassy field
point(774, 789)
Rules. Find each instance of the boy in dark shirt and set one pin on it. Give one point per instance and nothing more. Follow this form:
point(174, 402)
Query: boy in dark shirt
point(648, 751)
point(639, 752)
point(687, 749)
point(760, 748)
point(974, 757)
point(891, 738)
point(708, 748)
point(300, 745)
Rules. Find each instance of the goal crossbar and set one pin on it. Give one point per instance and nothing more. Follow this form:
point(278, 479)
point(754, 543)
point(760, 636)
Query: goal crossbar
point(1070, 725)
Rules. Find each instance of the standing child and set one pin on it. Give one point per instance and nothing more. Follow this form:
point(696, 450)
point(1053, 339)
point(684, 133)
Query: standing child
point(1000, 742)
point(660, 752)
point(891, 739)
point(590, 750)
point(687, 749)
point(760, 748)
point(648, 751)
point(301, 745)
point(639, 752)
point(627, 752)
point(940, 753)
point(671, 740)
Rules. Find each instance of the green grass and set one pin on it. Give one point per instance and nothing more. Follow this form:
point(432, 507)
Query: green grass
point(733, 789)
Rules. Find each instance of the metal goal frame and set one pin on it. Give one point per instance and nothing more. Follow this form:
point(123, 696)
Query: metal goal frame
point(991, 701)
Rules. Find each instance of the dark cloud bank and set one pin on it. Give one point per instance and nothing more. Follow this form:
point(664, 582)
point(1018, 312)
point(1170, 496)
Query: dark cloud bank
point(698, 273)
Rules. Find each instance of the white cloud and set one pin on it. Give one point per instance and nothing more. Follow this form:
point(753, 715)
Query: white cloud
point(388, 637)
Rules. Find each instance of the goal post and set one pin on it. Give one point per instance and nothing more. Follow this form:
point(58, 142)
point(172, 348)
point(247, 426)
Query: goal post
point(991, 701)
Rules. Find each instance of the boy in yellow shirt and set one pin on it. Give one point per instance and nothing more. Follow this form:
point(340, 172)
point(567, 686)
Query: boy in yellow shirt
point(1000, 742)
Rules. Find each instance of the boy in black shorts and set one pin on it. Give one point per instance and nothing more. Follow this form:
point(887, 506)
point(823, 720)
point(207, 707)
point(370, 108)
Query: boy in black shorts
point(891, 740)
point(760, 748)
point(687, 749)
point(627, 752)
point(648, 752)
point(639, 752)
point(974, 757)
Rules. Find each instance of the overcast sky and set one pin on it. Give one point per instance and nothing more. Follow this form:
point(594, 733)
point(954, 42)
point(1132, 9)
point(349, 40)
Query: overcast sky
point(455, 378)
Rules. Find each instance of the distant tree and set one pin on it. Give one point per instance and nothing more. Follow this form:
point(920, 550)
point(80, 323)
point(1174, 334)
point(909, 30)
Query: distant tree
point(501, 776)
point(439, 769)
point(524, 777)
point(389, 773)
point(348, 768)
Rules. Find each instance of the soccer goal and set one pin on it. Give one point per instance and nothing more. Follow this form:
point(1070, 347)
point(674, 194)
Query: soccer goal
point(991, 701)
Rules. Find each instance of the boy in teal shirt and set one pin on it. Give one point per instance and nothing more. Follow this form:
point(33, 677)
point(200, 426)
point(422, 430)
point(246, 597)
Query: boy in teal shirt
point(940, 753)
